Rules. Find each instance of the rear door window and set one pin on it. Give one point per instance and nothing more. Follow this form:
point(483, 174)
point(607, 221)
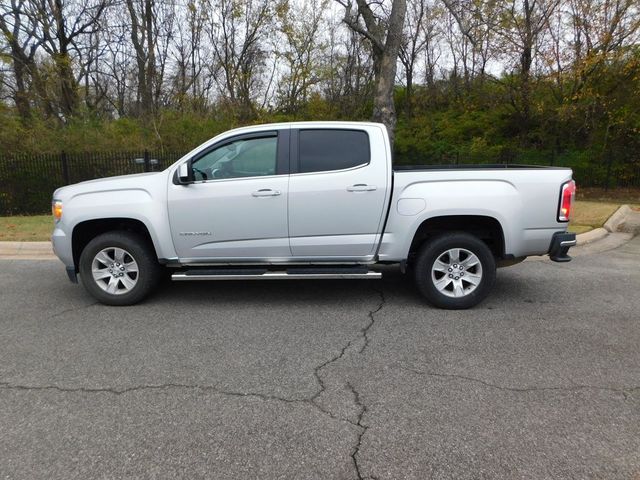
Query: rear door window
point(323, 150)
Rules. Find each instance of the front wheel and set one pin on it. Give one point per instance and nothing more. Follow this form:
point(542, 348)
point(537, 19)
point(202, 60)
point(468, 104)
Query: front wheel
point(118, 268)
point(455, 271)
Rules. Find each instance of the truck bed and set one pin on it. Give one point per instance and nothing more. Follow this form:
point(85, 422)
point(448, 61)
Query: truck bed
point(478, 166)
point(522, 198)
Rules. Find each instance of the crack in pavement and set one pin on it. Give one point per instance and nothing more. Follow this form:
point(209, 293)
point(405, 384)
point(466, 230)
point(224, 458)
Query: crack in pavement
point(205, 388)
point(312, 401)
point(162, 386)
point(364, 334)
point(622, 391)
point(316, 370)
point(363, 429)
point(74, 309)
point(365, 330)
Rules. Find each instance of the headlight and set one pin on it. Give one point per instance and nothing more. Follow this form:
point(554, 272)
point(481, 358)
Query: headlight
point(56, 209)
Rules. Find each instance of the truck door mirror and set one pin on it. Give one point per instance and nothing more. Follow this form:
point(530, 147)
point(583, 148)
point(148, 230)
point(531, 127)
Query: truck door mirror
point(185, 173)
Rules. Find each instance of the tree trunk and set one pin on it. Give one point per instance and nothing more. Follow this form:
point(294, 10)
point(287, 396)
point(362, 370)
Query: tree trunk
point(384, 109)
point(21, 96)
point(409, 92)
point(143, 40)
point(147, 99)
point(385, 57)
point(525, 85)
point(525, 66)
point(68, 85)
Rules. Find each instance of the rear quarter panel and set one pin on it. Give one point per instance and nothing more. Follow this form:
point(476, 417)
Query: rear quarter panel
point(523, 201)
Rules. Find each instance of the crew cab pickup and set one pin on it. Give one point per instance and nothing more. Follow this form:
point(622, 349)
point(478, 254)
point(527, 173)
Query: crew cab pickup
point(310, 200)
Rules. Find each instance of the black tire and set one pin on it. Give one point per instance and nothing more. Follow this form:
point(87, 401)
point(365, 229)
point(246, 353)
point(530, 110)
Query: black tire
point(137, 248)
point(433, 250)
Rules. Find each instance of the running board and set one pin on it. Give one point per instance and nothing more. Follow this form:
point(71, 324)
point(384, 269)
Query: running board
point(301, 273)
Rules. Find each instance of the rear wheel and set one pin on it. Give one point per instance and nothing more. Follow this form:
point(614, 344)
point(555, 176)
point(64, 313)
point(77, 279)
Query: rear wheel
point(118, 268)
point(455, 271)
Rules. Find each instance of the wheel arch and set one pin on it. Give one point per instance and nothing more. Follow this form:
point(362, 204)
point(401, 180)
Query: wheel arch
point(87, 230)
point(485, 227)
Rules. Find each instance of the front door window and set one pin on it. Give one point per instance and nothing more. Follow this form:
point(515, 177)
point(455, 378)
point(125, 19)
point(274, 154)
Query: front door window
point(254, 157)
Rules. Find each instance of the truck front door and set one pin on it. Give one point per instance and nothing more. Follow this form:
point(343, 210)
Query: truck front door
point(237, 206)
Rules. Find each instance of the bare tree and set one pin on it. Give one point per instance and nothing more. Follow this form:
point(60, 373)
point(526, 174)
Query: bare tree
point(433, 30)
point(384, 33)
point(420, 31)
point(302, 53)
point(600, 29)
point(115, 72)
point(236, 36)
point(190, 55)
point(521, 24)
point(347, 85)
point(474, 20)
point(60, 24)
point(19, 32)
point(144, 38)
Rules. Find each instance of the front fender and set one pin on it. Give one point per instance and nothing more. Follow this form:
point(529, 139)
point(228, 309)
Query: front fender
point(142, 199)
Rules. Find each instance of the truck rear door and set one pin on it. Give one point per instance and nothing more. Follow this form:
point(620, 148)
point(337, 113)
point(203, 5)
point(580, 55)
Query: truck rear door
point(337, 191)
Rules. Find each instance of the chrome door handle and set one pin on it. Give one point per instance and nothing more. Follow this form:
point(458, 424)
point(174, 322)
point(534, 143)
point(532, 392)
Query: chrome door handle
point(361, 187)
point(266, 192)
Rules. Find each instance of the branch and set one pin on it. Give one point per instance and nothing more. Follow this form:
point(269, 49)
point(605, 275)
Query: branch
point(371, 31)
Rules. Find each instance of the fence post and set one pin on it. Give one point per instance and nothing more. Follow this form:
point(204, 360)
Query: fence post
point(147, 163)
point(609, 162)
point(65, 168)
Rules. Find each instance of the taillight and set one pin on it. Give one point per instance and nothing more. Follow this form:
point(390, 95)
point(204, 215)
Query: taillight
point(567, 194)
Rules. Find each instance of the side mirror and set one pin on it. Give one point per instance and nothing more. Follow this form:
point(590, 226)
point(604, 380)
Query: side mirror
point(185, 173)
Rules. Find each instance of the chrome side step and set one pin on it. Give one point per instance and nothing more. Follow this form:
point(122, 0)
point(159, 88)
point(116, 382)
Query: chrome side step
point(300, 273)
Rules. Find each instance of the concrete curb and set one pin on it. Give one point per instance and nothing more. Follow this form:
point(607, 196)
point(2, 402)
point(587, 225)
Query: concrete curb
point(26, 251)
point(591, 236)
point(625, 219)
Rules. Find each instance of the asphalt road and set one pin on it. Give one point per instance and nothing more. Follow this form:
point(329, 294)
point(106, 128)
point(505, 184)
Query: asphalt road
point(325, 380)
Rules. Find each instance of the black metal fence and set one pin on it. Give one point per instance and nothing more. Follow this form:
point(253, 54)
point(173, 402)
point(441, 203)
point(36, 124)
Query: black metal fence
point(609, 173)
point(28, 181)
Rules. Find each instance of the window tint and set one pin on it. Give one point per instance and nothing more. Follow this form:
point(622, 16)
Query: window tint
point(323, 150)
point(253, 157)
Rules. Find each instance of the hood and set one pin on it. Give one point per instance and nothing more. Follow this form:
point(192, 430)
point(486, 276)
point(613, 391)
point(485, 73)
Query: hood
point(117, 178)
point(120, 182)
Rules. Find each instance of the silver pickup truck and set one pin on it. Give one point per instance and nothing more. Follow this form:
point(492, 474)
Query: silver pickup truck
point(310, 201)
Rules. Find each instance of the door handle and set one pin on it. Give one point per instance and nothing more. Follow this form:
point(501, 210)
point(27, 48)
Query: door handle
point(266, 192)
point(361, 187)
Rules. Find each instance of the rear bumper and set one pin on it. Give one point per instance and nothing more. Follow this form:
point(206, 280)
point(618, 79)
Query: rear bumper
point(561, 242)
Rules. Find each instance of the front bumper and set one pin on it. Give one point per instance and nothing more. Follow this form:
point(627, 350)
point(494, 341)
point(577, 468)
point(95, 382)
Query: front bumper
point(561, 242)
point(72, 274)
point(61, 243)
